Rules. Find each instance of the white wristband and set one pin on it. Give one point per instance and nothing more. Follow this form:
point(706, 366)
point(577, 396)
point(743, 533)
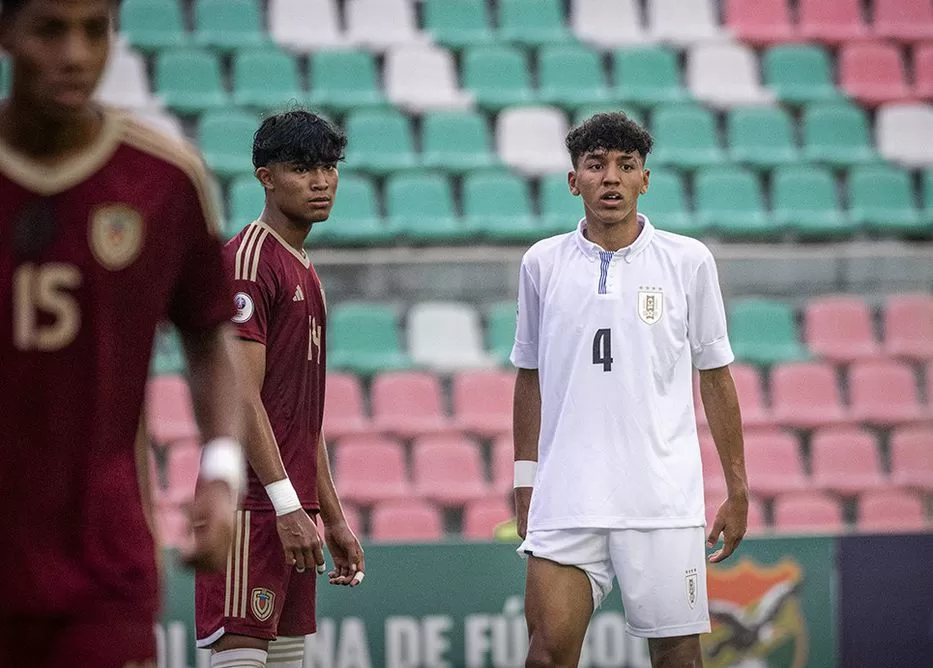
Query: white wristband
point(222, 459)
point(283, 496)
point(525, 471)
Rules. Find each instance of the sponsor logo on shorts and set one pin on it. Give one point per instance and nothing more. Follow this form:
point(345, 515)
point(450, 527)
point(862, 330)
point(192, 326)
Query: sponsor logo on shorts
point(244, 307)
point(650, 304)
point(262, 603)
point(692, 587)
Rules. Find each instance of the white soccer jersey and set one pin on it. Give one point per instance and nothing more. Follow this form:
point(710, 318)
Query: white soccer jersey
point(613, 336)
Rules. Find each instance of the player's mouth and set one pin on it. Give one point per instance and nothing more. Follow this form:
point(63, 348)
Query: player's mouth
point(319, 201)
point(611, 199)
point(71, 94)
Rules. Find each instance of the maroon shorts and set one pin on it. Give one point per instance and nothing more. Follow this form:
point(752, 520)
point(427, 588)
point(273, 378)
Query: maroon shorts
point(258, 595)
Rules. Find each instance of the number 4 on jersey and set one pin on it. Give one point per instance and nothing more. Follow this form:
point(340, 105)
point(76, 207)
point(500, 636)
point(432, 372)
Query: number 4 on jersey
point(602, 349)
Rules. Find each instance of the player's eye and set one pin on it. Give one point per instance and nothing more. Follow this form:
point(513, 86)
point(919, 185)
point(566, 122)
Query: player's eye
point(50, 29)
point(97, 29)
point(300, 169)
point(594, 165)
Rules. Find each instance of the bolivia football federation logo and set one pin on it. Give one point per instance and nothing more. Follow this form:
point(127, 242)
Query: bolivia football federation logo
point(650, 304)
point(116, 235)
point(756, 616)
point(262, 603)
point(244, 307)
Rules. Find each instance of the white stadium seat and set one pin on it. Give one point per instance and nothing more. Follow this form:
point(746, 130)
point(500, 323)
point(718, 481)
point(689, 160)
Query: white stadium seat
point(531, 139)
point(420, 78)
point(446, 336)
point(607, 24)
point(306, 25)
point(725, 75)
point(683, 22)
point(380, 24)
point(904, 132)
point(124, 82)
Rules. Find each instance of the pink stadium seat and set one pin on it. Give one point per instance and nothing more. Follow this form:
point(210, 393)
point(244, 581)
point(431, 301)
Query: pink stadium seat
point(354, 520)
point(481, 517)
point(748, 386)
point(448, 469)
point(760, 22)
point(923, 71)
point(406, 520)
point(756, 515)
point(884, 394)
point(169, 414)
point(805, 395)
point(714, 483)
point(408, 403)
point(891, 510)
point(343, 407)
point(831, 21)
point(773, 463)
point(844, 460)
point(873, 72)
point(482, 402)
point(905, 20)
point(839, 328)
point(807, 511)
point(184, 463)
point(369, 469)
point(171, 525)
point(503, 463)
point(908, 326)
point(912, 458)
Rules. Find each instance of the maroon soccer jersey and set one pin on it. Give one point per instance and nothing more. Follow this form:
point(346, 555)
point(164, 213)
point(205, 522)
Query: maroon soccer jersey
point(93, 254)
point(280, 304)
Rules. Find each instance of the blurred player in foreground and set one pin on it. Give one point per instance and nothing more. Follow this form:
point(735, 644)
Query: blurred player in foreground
point(266, 595)
point(607, 473)
point(106, 227)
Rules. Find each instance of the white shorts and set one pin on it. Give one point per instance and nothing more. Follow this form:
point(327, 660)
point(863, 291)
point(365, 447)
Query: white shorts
point(661, 572)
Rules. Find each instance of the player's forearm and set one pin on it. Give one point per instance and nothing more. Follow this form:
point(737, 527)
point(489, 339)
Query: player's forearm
point(260, 447)
point(721, 403)
point(526, 415)
point(331, 510)
point(213, 382)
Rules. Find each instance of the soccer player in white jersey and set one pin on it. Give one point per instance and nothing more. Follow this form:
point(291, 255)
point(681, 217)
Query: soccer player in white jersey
point(612, 319)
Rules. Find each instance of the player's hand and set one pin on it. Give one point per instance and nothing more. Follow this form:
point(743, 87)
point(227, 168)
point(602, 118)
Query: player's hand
point(731, 521)
point(300, 540)
point(522, 503)
point(345, 550)
point(212, 515)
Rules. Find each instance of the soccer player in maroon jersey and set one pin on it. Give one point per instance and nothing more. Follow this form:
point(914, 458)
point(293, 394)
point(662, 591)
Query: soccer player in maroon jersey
point(268, 590)
point(105, 229)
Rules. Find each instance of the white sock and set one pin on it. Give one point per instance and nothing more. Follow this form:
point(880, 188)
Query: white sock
point(239, 658)
point(287, 652)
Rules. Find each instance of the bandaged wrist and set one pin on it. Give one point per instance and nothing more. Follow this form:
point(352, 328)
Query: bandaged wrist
point(283, 496)
point(222, 459)
point(525, 471)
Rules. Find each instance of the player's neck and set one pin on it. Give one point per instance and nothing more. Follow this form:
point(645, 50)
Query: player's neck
point(293, 233)
point(44, 139)
point(615, 236)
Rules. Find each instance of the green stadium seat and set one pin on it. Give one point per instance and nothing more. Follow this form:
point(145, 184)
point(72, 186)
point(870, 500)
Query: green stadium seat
point(380, 141)
point(836, 134)
point(365, 339)
point(226, 141)
point(686, 136)
point(498, 76)
point(763, 331)
point(799, 73)
point(267, 79)
point(762, 137)
point(229, 24)
point(730, 202)
point(500, 330)
point(666, 204)
point(458, 23)
point(355, 218)
point(5, 76)
point(246, 201)
point(560, 211)
point(570, 76)
point(881, 198)
point(647, 76)
point(150, 25)
point(420, 207)
point(343, 80)
point(189, 81)
point(928, 200)
point(498, 206)
point(456, 141)
point(589, 110)
point(803, 198)
point(532, 22)
point(167, 356)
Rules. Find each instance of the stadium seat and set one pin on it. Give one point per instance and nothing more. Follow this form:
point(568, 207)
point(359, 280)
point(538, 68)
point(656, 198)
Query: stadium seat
point(167, 356)
point(229, 24)
point(151, 25)
point(844, 461)
point(343, 80)
point(836, 134)
point(267, 79)
point(355, 219)
point(923, 71)
point(448, 470)
point(773, 463)
point(897, 127)
point(881, 198)
point(570, 76)
point(762, 137)
point(587, 111)
point(381, 141)
point(560, 210)
point(805, 395)
point(124, 82)
point(370, 469)
point(686, 136)
point(831, 21)
point(759, 22)
point(683, 23)
point(226, 141)
point(344, 412)
point(456, 141)
point(912, 458)
point(482, 402)
point(446, 336)
point(419, 78)
point(5, 75)
point(498, 76)
point(804, 198)
point(500, 330)
point(714, 482)
point(169, 415)
point(884, 394)
point(647, 76)
point(189, 80)
point(725, 75)
point(908, 326)
point(665, 204)
point(804, 512)
point(729, 201)
point(873, 72)
point(420, 208)
point(458, 23)
point(481, 517)
point(183, 464)
point(503, 463)
point(364, 338)
point(749, 387)
point(498, 206)
point(532, 23)
point(171, 526)
point(531, 140)
point(409, 520)
point(840, 329)
point(408, 404)
point(247, 200)
point(380, 24)
point(763, 331)
point(306, 25)
point(607, 25)
point(891, 511)
point(799, 73)
point(903, 20)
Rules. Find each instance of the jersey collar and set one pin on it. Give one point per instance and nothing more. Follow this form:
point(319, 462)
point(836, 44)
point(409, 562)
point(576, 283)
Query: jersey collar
point(592, 251)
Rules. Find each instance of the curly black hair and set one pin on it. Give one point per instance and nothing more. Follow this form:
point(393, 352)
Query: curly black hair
point(611, 131)
point(298, 135)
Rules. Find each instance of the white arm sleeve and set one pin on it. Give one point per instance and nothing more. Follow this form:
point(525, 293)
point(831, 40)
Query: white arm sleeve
point(525, 351)
point(706, 319)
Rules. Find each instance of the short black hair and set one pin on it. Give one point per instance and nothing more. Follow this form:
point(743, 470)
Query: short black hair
point(611, 131)
point(9, 7)
point(298, 136)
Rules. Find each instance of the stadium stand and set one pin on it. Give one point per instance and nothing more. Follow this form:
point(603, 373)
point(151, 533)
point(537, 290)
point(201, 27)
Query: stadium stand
point(371, 469)
point(844, 461)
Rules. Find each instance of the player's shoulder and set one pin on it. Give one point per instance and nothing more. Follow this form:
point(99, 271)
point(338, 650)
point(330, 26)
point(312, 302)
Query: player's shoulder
point(687, 249)
point(161, 147)
point(252, 253)
point(546, 251)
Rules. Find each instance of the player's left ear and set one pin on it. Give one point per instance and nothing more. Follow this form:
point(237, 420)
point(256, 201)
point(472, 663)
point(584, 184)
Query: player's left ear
point(645, 179)
point(572, 183)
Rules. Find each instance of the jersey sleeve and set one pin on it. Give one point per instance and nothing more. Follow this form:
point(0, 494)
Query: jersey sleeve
point(706, 318)
point(525, 349)
point(254, 298)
